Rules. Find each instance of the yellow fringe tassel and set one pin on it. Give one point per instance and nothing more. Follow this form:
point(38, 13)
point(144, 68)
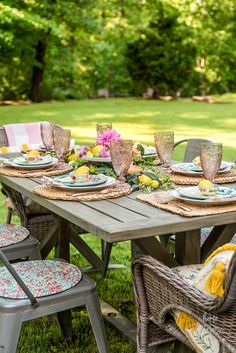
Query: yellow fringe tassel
point(226, 247)
point(215, 282)
point(185, 321)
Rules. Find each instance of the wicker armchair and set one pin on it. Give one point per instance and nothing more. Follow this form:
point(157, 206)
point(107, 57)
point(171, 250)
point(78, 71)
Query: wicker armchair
point(42, 226)
point(158, 290)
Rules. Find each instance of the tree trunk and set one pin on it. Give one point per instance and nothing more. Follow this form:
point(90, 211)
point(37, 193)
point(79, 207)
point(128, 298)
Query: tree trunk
point(38, 70)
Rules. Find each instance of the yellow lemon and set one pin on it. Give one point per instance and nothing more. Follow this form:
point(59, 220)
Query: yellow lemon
point(144, 179)
point(4, 149)
point(89, 154)
point(82, 170)
point(33, 153)
point(72, 157)
point(98, 148)
point(205, 184)
point(24, 147)
point(154, 184)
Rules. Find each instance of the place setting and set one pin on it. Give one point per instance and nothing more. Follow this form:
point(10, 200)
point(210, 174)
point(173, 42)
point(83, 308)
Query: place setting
point(194, 172)
point(34, 163)
point(207, 197)
point(92, 187)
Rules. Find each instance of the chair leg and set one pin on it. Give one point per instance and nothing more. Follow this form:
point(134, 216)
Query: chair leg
point(96, 319)
point(9, 215)
point(65, 321)
point(10, 326)
point(107, 254)
point(35, 253)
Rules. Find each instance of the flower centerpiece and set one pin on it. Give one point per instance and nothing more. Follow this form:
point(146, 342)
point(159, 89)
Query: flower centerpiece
point(102, 147)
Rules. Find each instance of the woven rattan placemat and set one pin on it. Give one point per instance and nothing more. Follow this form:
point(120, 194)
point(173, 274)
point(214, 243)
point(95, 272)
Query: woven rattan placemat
point(53, 193)
point(165, 201)
point(180, 179)
point(59, 169)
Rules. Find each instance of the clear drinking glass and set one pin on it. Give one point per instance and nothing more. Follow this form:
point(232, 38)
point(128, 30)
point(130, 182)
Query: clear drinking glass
point(211, 157)
point(61, 141)
point(47, 135)
point(101, 127)
point(121, 157)
point(164, 143)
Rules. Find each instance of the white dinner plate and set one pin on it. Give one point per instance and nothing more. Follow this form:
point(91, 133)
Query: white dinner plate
point(190, 169)
point(82, 180)
point(97, 159)
point(110, 182)
point(208, 201)
point(10, 163)
point(42, 160)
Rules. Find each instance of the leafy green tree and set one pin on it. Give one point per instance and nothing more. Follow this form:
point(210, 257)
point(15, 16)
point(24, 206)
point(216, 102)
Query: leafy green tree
point(162, 58)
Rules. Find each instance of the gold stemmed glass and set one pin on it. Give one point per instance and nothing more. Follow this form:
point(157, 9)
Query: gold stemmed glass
point(101, 127)
point(211, 157)
point(46, 130)
point(61, 141)
point(121, 157)
point(164, 143)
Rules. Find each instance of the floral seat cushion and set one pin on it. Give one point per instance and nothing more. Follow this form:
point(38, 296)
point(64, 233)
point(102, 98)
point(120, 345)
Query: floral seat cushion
point(42, 277)
point(12, 234)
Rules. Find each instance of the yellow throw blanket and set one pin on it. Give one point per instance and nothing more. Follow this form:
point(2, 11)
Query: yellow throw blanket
point(210, 280)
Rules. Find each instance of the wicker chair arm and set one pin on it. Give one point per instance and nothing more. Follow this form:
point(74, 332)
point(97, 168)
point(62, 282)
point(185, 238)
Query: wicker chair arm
point(192, 294)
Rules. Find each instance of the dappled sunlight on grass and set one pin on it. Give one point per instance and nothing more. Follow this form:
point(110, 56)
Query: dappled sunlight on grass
point(136, 119)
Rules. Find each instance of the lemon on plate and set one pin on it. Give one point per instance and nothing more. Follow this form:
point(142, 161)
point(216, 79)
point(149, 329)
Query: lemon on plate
point(82, 170)
point(205, 184)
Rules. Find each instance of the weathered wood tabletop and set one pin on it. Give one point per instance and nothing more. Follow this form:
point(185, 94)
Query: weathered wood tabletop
point(127, 218)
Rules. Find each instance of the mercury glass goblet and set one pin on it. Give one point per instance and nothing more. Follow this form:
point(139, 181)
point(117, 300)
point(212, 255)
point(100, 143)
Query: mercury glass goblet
point(164, 143)
point(47, 135)
point(101, 127)
point(61, 142)
point(211, 157)
point(121, 157)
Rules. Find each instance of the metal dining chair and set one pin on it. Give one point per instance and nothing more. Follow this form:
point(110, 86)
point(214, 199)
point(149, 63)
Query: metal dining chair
point(192, 148)
point(17, 243)
point(32, 289)
point(41, 224)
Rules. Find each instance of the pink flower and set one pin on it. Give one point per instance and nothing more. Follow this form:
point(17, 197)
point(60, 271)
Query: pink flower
point(105, 138)
point(104, 153)
point(83, 150)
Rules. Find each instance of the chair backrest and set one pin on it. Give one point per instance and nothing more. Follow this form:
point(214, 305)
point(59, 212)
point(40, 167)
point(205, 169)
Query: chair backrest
point(230, 287)
point(192, 149)
point(3, 137)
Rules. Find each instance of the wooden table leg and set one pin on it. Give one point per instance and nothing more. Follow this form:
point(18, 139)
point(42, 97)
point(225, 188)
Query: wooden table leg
point(63, 247)
point(219, 236)
point(188, 247)
point(151, 246)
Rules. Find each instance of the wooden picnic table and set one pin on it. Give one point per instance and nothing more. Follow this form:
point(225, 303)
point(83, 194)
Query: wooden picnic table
point(127, 218)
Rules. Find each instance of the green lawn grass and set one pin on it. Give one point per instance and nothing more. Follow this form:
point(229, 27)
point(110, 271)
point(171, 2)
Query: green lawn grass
point(136, 119)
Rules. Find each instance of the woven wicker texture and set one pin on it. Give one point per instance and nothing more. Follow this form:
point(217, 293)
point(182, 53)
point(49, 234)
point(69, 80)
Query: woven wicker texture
point(158, 290)
point(165, 201)
point(59, 169)
point(223, 178)
point(54, 193)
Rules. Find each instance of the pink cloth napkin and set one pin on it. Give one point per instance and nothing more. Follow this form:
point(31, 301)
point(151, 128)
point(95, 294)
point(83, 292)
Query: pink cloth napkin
point(18, 134)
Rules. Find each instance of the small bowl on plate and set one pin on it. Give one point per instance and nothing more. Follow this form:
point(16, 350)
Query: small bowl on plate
point(30, 158)
point(209, 190)
point(197, 162)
